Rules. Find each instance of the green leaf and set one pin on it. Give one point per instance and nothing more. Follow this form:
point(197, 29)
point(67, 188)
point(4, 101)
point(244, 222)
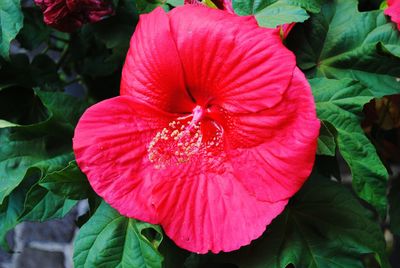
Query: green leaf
point(209, 3)
point(280, 13)
point(30, 202)
point(175, 3)
point(68, 182)
point(146, 6)
point(324, 225)
point(35, 32)
point(39, 142)
point(13, 207)
point(16, 156)
point(383, 5)
point(46, 145)
point(313, 6)
point(11, 21)
point(62, 108)
point(341, 42)
point(4, 123)
point(41, 205)
point(111, 240)
point(250, 7)
point(340, 102)
point(326, 140)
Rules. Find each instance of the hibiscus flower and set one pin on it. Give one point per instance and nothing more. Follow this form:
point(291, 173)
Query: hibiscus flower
point(69, 15)
point(214, 131)
point(393, 11)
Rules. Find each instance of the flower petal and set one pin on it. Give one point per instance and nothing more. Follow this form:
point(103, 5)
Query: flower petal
point(152, 72)
point(229, 61)
point(210, 211)
point(393, 11)
point(273, 151)
point(110, 147)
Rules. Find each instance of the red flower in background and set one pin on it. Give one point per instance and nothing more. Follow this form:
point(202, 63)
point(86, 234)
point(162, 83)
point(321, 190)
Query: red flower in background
point(69, 15)
point(214, 131)
point(393, 11)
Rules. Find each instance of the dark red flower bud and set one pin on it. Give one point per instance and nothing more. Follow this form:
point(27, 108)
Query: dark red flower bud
point(68, 15)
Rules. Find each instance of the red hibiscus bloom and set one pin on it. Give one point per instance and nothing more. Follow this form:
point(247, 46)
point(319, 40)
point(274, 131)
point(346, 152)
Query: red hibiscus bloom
point(69, 15)
point(393, 11)
point(214, 131)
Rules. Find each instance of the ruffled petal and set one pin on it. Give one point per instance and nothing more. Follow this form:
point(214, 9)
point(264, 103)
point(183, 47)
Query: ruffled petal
point(110, 148)
point(211, 211)
point(273, 152)
point(152, 73)
point(229, 61)
point(393, 11)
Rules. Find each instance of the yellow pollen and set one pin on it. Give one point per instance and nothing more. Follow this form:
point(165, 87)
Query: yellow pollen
point(182, 141)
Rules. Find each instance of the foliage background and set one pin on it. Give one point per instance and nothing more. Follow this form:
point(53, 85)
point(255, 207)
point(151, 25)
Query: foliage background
point(350, 52)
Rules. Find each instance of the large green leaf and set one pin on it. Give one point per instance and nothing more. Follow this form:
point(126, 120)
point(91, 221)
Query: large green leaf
point(324, 225)
point(339, 102)
point(69, 182)
point(21, 151)
point(175, 3)
point(271, 13)
point(15, 161)
point(326, 140)
point(343, 42)
point(313, 6)
point(30, 202)
point(11, 21)
point(111, 240)
point(42, 205)
point(45, 145)
point(13, 207)
point(280, 13)
point(249, 7)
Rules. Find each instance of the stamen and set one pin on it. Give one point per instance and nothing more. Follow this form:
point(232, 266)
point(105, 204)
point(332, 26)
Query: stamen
point(183, 141)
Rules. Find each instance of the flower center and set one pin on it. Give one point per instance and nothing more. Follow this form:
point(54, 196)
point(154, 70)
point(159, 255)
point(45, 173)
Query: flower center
point(186, 140)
